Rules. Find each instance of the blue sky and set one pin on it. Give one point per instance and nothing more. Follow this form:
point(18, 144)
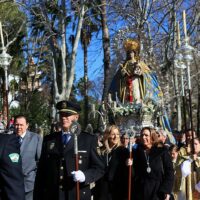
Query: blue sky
point(95, 60)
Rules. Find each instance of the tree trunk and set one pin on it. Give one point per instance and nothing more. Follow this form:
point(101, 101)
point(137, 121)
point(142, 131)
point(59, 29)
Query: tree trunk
point(74, 50)
point(67, 76)
point(106, 48)
point(85, 84)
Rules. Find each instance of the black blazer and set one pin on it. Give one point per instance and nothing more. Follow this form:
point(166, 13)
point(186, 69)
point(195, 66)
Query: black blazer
point(11, 177)
point(57, 162)
point(153, 185)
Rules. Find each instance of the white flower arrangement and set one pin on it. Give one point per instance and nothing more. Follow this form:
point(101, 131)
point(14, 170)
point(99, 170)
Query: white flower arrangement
point(140, 114)
point(127, 109)
point(144, 108)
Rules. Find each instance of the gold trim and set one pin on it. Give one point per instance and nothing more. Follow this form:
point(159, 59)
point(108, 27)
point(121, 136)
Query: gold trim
point(68, 110)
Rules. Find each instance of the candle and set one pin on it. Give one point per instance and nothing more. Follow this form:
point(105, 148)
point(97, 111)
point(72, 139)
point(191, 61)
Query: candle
point(93, 111)
point(178, 35)
point(182, 83)
point(103, 106)
point(1, 32)
point(93, 108)
point(114, 104)
point(188, 74)
point(184, 24)
point(109, 98)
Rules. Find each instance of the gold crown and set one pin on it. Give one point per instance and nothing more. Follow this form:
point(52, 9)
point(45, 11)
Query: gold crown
point(132, 44)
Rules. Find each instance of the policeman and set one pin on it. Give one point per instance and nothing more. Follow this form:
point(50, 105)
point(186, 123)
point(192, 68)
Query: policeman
point(56, 177)
point(11, 177)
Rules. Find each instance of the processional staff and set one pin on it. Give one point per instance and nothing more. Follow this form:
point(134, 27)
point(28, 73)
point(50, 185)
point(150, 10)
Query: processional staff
point(75, 130)
point(182, 81)
point(187, 50)
point(182, 66)
point(130, 168)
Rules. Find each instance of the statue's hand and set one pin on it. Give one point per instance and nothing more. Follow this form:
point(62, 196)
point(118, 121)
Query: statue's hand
point(124, 70)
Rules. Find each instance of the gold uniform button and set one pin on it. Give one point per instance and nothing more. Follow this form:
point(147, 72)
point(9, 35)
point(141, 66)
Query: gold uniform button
point(61, 187)
point(61, 168)
point(61, 177)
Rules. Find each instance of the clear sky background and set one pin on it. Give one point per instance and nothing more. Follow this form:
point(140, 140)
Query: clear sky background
point(95, 60)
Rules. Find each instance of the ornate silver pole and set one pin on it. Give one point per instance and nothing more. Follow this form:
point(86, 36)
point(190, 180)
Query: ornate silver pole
point(188, 57)
point(5, 60)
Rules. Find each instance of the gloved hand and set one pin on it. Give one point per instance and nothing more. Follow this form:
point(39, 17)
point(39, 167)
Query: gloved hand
point(186, 168)
point(78, 176)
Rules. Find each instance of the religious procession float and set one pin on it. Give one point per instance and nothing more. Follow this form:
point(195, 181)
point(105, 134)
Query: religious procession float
point(135, 99)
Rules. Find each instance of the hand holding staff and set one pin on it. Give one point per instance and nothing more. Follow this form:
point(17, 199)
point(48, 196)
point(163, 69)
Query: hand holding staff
point(76, 129)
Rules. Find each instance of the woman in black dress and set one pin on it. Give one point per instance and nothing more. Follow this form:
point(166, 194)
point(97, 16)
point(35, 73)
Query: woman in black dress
point(153, 170)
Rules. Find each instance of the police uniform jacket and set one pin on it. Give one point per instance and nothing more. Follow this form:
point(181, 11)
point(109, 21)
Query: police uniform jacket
point(11, 177)
point(58, 161)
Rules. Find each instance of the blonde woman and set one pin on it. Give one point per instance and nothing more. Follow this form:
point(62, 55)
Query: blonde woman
point(111, 140)
point(110, 187)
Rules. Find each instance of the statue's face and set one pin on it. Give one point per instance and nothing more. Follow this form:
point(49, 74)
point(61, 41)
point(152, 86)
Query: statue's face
point(132, 55)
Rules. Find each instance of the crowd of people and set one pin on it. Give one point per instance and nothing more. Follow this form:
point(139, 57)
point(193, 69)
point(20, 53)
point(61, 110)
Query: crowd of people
point(71, 164)
point(4, 127)
point(117, 165)
point(38, 168)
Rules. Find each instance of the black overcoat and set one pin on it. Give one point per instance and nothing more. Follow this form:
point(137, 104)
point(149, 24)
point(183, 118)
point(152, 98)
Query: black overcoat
point(11, 177)
point(153, 185)
point(57, 162)
point(114, 184)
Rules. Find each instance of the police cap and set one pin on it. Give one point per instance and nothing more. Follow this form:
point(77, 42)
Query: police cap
point(68, 107)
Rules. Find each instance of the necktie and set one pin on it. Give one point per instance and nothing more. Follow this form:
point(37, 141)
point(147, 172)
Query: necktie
point(65, 138)
point(20, 140)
